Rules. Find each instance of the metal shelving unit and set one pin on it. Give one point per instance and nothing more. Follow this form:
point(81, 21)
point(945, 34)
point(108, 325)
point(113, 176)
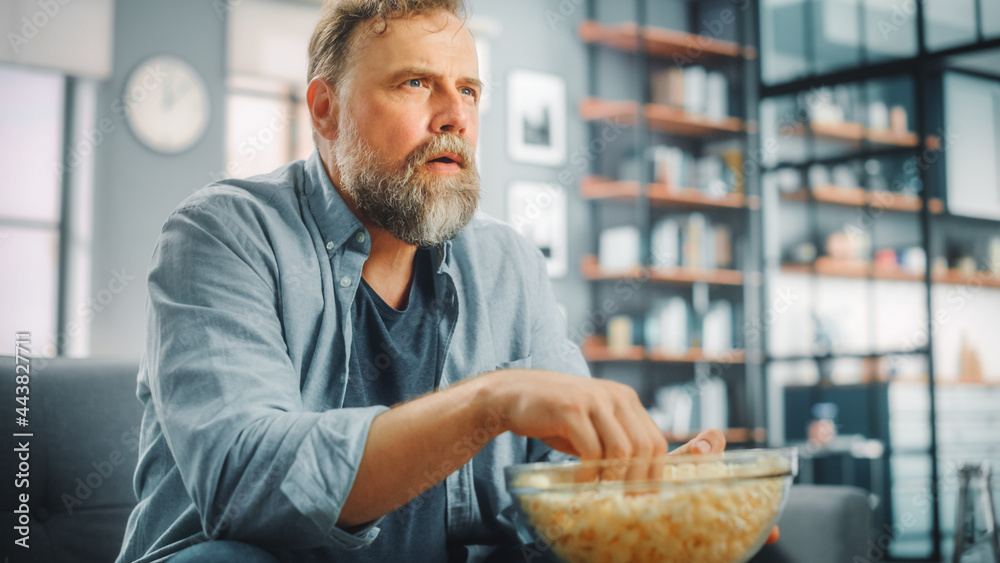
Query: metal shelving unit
point(919, 69)
point(646, 45)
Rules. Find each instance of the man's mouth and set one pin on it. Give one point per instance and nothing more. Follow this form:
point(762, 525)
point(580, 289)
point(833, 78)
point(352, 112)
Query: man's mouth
point(445, 163)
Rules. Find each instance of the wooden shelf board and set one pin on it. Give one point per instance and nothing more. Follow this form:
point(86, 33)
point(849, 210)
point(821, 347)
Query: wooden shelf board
point(696, 355)
point(895, 273)
point(694, 275)
point(599, 187)
point(825, 266)
point(595, 349)
point(841, 268)
point(675, 120)
point(660, 195)
point(659, 117)
point(954, 277)
point(661, 42)
point(591, 269)
point(854, 133)
point(666, 196)
point(858, 197)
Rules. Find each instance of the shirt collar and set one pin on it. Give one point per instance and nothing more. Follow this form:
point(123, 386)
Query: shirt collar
point(337, 223)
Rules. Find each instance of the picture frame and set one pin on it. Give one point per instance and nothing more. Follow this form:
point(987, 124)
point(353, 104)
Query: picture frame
point(536, 117)
point(537, 211)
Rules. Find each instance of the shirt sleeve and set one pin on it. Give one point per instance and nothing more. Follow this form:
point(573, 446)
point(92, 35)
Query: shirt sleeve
point(256, 464)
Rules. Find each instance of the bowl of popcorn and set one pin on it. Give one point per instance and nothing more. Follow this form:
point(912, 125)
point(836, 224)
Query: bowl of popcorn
point(677, 508)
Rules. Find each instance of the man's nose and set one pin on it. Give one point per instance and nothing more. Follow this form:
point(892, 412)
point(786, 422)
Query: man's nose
point(451, 113)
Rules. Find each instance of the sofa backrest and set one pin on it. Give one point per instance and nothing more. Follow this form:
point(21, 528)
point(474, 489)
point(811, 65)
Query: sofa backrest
point(84, 417)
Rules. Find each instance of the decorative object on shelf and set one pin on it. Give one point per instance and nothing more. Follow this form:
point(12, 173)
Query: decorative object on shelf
point(536, 117)
point(538, 211)
point(898, 120)
point(716, 96)
point(668, 327)
point(844, 175)
point(914, 260)
point(717, 328)
point(168, 104)
point(993, 256)
point(618, 249)
point(666, 243)
point(966, 265)
point(619, 334)
point(819, 175)
point(970, 369)
point(878, 115)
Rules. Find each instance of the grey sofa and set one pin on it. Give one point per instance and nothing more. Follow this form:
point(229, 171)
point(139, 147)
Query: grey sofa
point(85, 419)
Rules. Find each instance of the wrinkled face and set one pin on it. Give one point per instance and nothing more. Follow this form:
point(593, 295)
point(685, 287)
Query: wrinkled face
point(407, 128)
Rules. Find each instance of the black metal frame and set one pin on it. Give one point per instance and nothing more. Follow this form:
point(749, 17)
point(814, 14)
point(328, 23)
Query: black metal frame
point(745, 35)
point(918, 68)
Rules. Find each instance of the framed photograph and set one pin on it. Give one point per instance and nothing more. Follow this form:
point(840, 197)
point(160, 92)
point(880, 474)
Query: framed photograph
point(538, 211)
point(536, 117)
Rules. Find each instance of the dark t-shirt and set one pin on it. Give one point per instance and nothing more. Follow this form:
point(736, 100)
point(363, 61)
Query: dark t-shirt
point(394, 359)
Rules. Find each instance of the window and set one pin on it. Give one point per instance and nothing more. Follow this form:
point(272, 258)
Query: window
point(31, 137)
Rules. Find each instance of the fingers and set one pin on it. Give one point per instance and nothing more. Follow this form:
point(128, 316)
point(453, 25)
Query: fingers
point(710, 441)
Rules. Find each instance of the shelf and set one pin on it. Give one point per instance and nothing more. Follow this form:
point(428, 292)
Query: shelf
point(596, 349)
point(954, 277)
point(696, 355)
point(592, 271)
point(660, 118)
point(839, 268)
point(825, 266)
point(660, 195)
point(661, 42)
point(847, 355)
point(858, 197)
point(854, 133)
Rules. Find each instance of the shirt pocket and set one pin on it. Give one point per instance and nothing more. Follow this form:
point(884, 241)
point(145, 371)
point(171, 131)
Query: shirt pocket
point(523, 363)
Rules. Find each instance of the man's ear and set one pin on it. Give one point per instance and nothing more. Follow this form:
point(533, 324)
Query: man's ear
point(324, 107)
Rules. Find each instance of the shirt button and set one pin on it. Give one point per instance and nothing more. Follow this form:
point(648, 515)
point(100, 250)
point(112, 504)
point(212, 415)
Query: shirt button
point(330, 245)
point(360, 237)
point(345, 281)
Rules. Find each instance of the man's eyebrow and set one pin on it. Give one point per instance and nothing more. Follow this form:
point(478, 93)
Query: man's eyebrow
point(421, 71)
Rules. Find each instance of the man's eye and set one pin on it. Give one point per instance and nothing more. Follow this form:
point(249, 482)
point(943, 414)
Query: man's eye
point(469, 92)
point(415, 82)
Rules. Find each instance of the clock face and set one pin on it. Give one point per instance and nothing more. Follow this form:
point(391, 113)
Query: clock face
point(168, 104)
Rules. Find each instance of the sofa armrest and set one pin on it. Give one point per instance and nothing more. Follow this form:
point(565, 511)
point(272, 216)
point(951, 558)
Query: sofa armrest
point(821, 524)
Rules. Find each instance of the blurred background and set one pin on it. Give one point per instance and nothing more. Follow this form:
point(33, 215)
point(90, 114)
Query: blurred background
point(777, 217)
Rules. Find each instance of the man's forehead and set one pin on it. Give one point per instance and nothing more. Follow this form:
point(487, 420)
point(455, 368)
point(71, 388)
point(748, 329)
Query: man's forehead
point(442, 28)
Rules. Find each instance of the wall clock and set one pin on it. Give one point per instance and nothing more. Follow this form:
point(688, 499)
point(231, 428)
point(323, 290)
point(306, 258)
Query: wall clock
point(168, 105)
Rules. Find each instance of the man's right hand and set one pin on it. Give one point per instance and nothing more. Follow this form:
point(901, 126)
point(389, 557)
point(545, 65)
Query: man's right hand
point(587, 418)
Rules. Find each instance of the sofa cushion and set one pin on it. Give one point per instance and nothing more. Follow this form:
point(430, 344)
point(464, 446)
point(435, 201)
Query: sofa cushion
point(821, 524)
point(85, 418)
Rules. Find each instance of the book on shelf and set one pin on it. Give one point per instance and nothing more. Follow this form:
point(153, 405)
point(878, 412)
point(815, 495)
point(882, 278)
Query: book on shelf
point(618, 248)
point(691, 241)
point(695, 87)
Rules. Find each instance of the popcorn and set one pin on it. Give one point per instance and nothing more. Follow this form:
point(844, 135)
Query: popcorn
point(722, 520)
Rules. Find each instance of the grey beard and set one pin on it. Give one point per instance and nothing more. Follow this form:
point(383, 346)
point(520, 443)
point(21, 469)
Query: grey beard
point(411, 205)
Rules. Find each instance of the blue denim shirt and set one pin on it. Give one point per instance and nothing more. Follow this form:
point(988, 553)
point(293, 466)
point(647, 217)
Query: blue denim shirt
point(248, 338)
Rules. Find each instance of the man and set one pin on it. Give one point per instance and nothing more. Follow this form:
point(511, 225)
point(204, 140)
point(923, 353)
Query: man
point(288, 312)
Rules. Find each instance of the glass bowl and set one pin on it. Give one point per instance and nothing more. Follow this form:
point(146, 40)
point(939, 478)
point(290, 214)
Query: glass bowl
point(679, 508)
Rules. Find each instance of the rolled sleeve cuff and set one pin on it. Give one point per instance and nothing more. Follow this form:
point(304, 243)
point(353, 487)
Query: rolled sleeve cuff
point(325, 466)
